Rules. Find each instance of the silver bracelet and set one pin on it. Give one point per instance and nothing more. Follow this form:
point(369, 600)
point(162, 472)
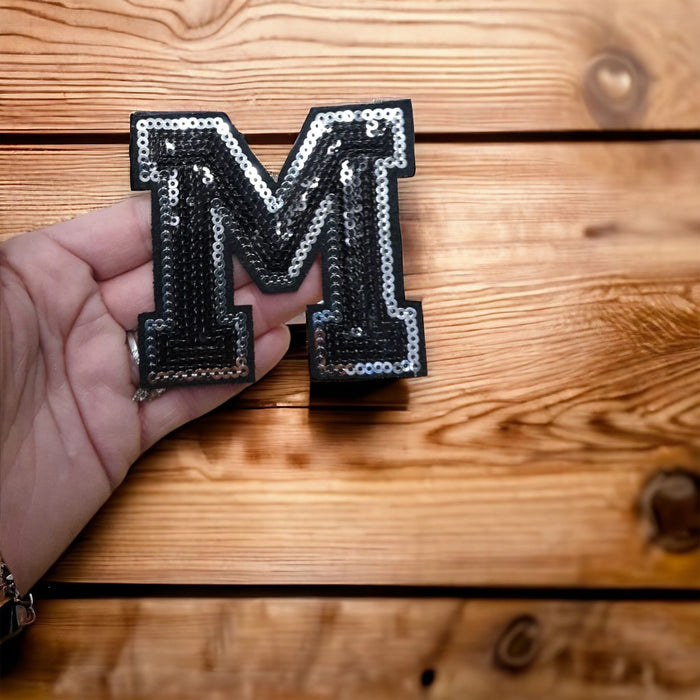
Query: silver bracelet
point(19, 612)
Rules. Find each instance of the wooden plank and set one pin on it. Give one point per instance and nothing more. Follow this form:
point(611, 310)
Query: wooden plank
point(561, 291)
point(318, 649)
point(469, 66)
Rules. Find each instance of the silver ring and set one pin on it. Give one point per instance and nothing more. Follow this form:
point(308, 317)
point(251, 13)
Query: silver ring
point(140, 394)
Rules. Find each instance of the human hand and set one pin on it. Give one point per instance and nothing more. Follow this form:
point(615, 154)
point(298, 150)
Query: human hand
point(70, 429)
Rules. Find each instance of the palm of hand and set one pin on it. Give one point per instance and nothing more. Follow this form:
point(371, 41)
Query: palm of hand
point(66, 369)
point(70, 429)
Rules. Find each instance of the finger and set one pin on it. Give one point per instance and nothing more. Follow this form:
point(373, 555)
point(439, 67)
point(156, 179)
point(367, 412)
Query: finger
point(180, 405)
point(270, 310)
point(111, 240)
point(131, 293)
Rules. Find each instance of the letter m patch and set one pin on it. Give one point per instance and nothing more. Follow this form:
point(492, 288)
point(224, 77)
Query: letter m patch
point(336, 195)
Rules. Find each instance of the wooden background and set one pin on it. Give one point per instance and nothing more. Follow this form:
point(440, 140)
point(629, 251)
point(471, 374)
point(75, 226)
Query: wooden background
point(522, 523)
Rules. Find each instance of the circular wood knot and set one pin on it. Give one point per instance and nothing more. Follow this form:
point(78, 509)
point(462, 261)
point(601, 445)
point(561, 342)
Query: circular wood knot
point(615, 88)
point(670, 507)
point(519, 644)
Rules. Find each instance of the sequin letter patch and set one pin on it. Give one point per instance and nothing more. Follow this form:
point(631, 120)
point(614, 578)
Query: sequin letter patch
point(336, 195)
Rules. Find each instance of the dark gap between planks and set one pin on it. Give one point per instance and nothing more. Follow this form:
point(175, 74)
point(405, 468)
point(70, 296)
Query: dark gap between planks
point(572, 136)
point(48, 590)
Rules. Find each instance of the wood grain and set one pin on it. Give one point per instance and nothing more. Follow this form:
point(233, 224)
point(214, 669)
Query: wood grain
point(469, 66)
point(561, 291)
point(344, 649)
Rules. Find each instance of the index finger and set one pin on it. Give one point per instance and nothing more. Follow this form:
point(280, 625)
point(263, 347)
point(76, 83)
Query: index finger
point(112, 240)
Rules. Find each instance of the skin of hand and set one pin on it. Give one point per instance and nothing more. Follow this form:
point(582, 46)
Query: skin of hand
point(69, 427)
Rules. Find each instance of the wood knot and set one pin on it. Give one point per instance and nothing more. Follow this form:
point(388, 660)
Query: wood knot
point(518, 645)
point(615, 89)
point(670, 507)
point(427, 678)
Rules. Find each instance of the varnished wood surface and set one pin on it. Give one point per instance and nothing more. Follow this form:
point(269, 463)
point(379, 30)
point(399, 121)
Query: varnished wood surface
point(561, 291)
point(469, 66)
point(345, 649)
